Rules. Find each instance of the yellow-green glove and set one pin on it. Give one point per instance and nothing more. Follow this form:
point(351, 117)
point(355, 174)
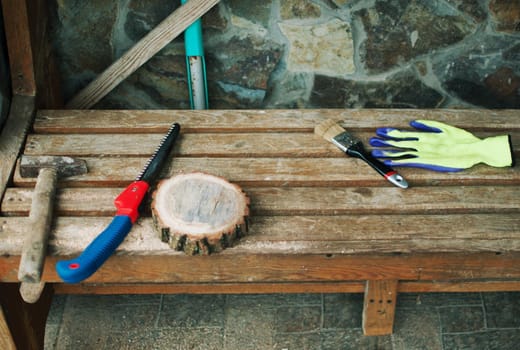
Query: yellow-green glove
point(440, 147)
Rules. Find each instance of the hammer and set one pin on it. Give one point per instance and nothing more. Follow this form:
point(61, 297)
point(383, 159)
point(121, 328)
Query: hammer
point(47, 169)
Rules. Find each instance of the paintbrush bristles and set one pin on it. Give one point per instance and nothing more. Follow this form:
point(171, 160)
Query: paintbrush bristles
point(328, 129)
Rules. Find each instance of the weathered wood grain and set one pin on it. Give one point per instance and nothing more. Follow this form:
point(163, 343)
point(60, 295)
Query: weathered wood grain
point(307, 200)
point(294, 120)
point(262, 172)
point(32, 68)
point(327, 234)
point(379, 307)
point(303, 287)
point(48, 79)
point(211, 288)
point(227, 267)
point(12, 136)
point(321, 222)
point(6, 339)
point(18, 39)
point(199, 213)
point(245, 145)
point(38, 231)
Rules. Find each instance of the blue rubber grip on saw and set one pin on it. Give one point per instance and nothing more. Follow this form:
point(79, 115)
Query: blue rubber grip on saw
point(97, 252)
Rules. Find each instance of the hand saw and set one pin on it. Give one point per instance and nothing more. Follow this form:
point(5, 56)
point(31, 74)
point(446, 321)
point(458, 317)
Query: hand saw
point(127, 204)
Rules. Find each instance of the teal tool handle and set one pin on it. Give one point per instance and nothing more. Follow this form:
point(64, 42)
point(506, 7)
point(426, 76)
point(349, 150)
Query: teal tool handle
point(196, 65)
point(193, 38)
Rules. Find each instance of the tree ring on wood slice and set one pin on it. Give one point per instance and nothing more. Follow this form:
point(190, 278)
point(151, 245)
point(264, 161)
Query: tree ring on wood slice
point(199, 213)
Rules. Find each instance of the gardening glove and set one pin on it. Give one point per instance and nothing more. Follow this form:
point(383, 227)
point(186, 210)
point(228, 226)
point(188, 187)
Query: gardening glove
point(440, 147)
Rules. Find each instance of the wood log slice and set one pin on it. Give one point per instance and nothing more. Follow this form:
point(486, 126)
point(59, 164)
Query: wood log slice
point(199, 213)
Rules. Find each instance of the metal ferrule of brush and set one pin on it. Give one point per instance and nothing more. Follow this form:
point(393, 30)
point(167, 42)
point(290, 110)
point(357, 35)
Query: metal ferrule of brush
point(344, 141)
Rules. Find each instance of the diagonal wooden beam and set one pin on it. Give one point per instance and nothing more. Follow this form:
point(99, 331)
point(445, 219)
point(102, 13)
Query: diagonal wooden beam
point(141, 52)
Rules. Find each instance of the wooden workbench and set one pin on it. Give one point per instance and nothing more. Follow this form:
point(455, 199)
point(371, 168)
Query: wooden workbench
point(320, 221)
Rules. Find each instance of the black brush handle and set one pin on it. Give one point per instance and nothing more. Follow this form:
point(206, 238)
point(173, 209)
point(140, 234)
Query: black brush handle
point(358, 151)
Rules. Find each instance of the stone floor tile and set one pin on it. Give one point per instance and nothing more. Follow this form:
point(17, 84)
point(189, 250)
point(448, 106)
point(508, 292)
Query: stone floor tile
point(353, 339)
point(342, 311)
point(505, 339)
point(297, 319)
point(249, 327)
point(274, 300)
point(297, 341)
point(455, 319)
point(417, 329)
point(57, 308)
point(103, 314)
point(167, 339)
point(279, 321)
point(192, 311)
point(51, 336)
point(502, 309)
point(82, 338)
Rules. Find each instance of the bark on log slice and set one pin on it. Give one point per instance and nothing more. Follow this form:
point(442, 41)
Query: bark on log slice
point(199, 213)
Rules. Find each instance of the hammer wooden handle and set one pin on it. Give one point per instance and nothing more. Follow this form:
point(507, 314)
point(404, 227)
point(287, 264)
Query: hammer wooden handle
point(35, 246)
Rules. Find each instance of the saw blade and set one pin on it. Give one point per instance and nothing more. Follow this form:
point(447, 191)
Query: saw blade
point(152, 166)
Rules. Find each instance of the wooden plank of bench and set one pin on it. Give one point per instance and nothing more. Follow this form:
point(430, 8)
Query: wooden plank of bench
point(320, 172)
point(211, 288)
point(228, 267)
point(158, 121)
point(142, 51)
point(267, 288)
point(309, 200)
point(497, 285)
point(197, 145)
point(328, 235)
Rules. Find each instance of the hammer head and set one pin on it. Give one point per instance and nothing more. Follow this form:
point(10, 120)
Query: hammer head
point(65, 166)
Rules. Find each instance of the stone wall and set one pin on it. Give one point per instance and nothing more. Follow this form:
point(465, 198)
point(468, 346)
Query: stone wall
point(305, 53)
point(5, 86)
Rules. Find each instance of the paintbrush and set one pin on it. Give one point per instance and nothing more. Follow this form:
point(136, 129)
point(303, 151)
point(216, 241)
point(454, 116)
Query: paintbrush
point(353, 147)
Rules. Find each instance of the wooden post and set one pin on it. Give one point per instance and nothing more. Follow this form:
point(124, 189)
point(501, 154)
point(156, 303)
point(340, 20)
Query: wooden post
point(33, 72)
point(26, 322)
point(19, 47)
point(379, 307)
point(6, 339)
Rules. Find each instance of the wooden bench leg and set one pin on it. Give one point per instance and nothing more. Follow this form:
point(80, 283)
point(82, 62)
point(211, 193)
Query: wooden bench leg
point(6, 339)
point(379, 307)
point(25, 323)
